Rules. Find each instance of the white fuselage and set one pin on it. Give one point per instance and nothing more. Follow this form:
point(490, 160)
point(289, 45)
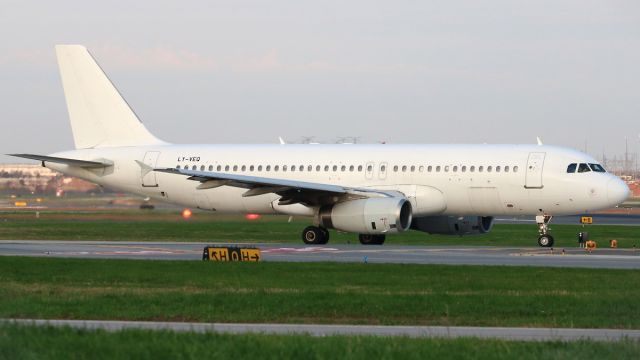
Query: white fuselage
point(480, 180)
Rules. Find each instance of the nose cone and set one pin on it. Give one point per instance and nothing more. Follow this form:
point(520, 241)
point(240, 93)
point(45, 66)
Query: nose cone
point(617, 191)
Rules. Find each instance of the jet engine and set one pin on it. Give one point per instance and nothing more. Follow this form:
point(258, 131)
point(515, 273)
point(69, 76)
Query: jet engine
point(453, 225)
point(368, 216)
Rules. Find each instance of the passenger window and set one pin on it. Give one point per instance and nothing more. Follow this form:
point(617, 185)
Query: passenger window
point(276, 168)
point(506, 169)
point(480, 168)
point(226, 168)
point(293, 168)
point(583, 168)
point(210, 167)
point(404, 168)
point(421, 168)
point(429, 168)
point(259, 167)
point(464, 169)
point(343, 168)
point(335, 168)
point(455, 169)
point(497, 168)
point(446, 168)
point(235, 167)
point(219, 167)
point(284, 167)
point(395, 168)
point(193, 167)
point(301, 167)
point(268, 167)
point(309, 168)
point(572, 168)
point(351, 168)
point(244, 167)
point(413, 168)
point(359, 168)
point(370, 168)
point(437, 168)
point(326, 168)
point(317, 167)
point(489, 168)
point(515, 169)
point(472, 169)
point(383, 168)
point(251, 168)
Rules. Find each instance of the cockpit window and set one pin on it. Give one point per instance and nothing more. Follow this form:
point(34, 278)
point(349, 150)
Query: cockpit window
point(572, 168)
point(583, 168)
point(597, 168)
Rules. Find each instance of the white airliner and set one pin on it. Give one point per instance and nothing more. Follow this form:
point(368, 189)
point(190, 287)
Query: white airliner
point(370, 190)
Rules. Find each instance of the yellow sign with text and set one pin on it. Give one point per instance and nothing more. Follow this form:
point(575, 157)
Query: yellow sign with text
point(586, 220)
point(216, 253)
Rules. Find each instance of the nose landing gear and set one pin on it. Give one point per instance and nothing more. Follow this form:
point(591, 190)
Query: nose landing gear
point(545, 239)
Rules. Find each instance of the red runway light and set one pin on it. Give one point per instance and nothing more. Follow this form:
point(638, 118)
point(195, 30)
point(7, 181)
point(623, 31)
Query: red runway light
point(252, 216)
point(186, 213)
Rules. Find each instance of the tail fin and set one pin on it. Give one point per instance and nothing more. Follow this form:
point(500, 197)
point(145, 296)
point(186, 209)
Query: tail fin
point(99, 116)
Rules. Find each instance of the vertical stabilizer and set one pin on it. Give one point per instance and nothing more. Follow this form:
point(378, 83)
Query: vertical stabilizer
point(99, 116)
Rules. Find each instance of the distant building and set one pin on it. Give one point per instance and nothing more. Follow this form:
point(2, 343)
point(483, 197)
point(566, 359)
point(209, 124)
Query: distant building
point(33, 178)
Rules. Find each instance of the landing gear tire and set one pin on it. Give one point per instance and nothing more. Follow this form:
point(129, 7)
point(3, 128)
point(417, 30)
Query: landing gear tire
point(545, 240)
point(368, 239)
point(313, 235)
point(325, 235)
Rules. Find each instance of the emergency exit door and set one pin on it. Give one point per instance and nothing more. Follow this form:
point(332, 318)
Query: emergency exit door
point(535, 164)
point(148, 175)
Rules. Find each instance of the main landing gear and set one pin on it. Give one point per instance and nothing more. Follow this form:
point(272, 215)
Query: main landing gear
point(545, 239)
point(368, 239)
point(314, 235)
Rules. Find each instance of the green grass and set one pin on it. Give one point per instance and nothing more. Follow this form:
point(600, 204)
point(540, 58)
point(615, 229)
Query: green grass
point(318, 293)
point(137, 226)
point(28, 342)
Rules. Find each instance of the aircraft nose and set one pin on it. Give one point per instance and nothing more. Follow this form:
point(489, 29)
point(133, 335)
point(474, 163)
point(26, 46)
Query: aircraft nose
point(617, 191)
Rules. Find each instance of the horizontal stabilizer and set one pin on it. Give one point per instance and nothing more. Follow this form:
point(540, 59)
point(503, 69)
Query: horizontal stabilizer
point(72, 162)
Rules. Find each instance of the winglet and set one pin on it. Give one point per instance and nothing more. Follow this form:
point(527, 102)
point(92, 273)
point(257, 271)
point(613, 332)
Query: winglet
point(539, 140)
point(282, 142)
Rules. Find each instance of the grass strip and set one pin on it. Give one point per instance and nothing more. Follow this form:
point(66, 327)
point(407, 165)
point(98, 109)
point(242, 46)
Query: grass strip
point(31, 342)
point(161, 227)
point(386, 294)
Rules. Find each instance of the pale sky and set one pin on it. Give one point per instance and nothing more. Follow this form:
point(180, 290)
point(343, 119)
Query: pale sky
point(395, 71)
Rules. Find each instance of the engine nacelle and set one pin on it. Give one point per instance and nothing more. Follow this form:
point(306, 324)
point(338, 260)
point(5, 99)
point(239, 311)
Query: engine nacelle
point(368, 216)
point(453, 225)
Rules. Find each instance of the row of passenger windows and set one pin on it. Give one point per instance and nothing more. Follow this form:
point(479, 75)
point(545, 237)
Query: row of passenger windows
point(359, 168)
point(582, 167)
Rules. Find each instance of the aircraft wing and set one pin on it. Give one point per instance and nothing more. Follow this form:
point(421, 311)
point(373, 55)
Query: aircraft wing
point(73, 162)
point(291, 191)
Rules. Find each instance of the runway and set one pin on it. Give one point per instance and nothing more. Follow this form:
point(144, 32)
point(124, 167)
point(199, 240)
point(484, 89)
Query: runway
point(525, 334)
point(452, 255)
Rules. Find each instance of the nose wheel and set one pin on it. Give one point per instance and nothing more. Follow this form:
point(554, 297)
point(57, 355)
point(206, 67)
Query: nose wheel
point(315, 235)
point(545, 239)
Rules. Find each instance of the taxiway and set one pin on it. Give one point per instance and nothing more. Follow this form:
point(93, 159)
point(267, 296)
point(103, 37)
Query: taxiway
point(452, 255)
